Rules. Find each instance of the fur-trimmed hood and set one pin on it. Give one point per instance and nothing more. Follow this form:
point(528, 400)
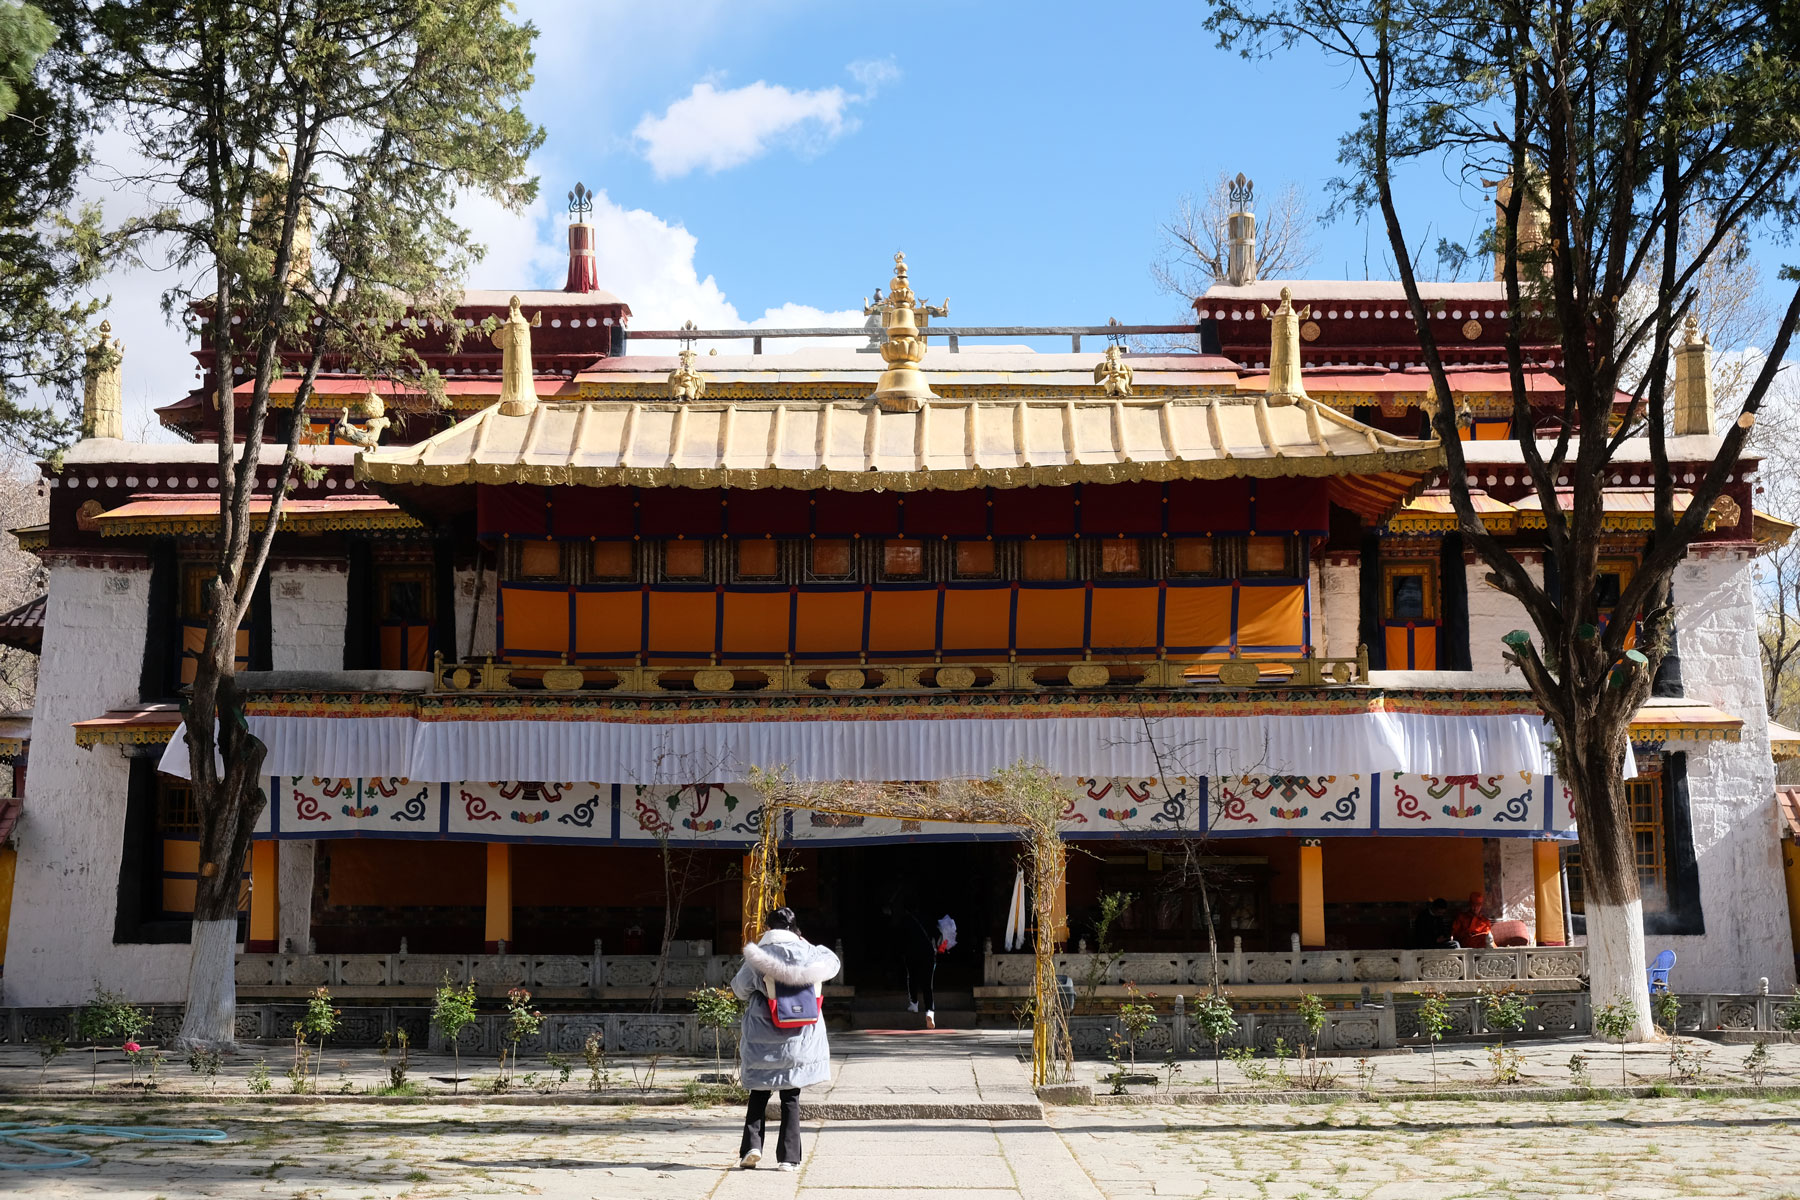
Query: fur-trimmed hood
point(787, 958)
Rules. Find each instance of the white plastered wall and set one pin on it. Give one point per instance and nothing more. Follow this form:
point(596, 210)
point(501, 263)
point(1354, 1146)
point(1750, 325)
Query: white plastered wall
point(1492, 615)
point(1338, 605)
point(1731, 788)
point(71, 836)
point(307, 605)
point(475, 589)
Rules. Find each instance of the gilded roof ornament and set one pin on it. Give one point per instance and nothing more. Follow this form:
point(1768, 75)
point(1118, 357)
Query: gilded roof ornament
point(1285, 386)
point(685, 383)
point(363, 423)
point(103, 387)
point(902, 387)
point(1113, 373)
point(518, 384)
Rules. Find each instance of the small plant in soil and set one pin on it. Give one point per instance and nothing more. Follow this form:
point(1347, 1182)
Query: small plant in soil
point(1212, 1015)
point(1281, 1052)
point(105, 1017)
point(1315, 1074)
point(560, 1064)
point(1244, 1058)
point(49, 1050)
point(521, 1021)
point(1136, 1015)
point(1578, 1072)
point(320, 1020)
point(1434, 1023)
point(1614, 1021)
point(1790, 1016)
point(717, 1009)
point(1115, 1054)
point(399, 1045)
point(452, 1011)
point(1365, 1076)
point(1756, 1063)
point(1505, 1065)
point(594, 1051)
point(1688, 1062)
point(260, 1083)
point(205, 1061)
point(1100, 963)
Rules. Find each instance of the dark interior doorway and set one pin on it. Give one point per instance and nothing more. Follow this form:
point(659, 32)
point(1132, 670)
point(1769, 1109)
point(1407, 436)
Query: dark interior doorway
point(879, 890)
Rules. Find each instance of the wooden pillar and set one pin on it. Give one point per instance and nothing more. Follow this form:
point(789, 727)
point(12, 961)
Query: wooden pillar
point(1546, 862)
point(1790, 870)
point(265, 898)
point(1312, 895)
point(9, 861)
point(499, 897)
point(1059, 907)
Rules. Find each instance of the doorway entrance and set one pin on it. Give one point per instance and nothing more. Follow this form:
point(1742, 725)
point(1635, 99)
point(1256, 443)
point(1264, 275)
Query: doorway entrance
point(881, 891)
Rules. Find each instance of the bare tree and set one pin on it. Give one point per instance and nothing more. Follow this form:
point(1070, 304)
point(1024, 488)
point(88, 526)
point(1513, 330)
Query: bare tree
point(1635, 117)
point(1195, 243)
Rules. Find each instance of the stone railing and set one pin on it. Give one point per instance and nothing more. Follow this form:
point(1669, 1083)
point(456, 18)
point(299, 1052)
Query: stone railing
point(1532, 965)
point(555, 976)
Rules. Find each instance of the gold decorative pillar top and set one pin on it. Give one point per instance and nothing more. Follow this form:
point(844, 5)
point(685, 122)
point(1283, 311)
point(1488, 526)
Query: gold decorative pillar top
point(1693, 407)
point(1240, 242)
point(518, 383)
point(902, 387)
point(685, 383)
point(1285, 385)
point(103, 387)
point(1534, 216)
point(1113, 373)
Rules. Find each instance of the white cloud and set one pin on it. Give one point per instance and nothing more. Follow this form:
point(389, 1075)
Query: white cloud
point(716, 130)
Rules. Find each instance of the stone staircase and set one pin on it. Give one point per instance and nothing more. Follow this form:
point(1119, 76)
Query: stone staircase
point(887, 1010)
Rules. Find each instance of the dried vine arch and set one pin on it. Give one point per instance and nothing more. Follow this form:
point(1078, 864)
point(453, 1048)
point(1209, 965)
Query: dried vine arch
point(1025, 797)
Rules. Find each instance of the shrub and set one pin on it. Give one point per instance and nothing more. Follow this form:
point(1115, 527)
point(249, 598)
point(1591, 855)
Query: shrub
point(1212, 1015)
point(717, 1009)
point(452, 1011)
point(1434, 1023)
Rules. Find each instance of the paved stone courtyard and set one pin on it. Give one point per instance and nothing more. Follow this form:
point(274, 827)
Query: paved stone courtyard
point(1346, 1145)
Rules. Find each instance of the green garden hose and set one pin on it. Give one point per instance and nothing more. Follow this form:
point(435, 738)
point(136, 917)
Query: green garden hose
point(24, 1137)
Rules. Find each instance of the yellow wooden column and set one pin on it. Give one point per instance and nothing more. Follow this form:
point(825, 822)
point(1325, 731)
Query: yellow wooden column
point(1312, 895)
point(1059, 908)
point(1546, 866)
point(265, 899)
point(499, 896)
point(1790, 870)
point(9, 861)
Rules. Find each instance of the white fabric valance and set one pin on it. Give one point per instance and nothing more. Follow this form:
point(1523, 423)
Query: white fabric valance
point(901, 748)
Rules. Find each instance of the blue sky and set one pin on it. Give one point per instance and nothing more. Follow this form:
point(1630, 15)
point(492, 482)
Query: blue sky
point(761, 162)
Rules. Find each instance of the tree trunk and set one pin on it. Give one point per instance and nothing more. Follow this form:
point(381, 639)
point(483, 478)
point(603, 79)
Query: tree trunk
point(229, 801)
point(1611, 899)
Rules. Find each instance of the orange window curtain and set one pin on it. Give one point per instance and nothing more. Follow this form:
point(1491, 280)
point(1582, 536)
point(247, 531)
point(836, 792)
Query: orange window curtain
point(1124, 620)
point(534, 623)
point(902, 622)
point(977, 620)
point(609, 624)
point(1051, 620)
point(830, 624)
point(683, 625)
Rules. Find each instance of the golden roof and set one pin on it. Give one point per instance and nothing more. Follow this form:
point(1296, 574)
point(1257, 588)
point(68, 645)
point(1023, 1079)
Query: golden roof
point(859, 446)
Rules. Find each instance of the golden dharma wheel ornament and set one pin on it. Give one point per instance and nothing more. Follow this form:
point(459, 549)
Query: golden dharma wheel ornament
point(460, 679)
point(562, 679)
point(1310, 331)
point(956, 677)
point(714, 679)
point(1239, 674)
point(1471, 330)
point(1089, 675)
point(847, 680)
point(1341, 672)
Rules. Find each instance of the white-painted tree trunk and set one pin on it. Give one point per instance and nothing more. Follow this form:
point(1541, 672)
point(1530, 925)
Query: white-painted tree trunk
point(1615, 961)
point(211, 1018)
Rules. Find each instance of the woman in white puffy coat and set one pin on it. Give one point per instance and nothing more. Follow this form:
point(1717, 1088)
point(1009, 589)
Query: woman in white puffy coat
point(774, 1059)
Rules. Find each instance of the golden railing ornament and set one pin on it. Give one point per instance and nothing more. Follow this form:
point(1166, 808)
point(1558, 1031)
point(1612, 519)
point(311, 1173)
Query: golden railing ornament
point(902, 387)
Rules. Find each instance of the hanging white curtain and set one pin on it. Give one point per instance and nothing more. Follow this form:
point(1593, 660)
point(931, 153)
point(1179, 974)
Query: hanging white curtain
point(1015, 913)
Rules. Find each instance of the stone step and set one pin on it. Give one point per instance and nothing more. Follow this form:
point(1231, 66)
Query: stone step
point(899, 1018)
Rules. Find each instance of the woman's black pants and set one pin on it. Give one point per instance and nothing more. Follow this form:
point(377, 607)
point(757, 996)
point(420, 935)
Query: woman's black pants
point(787, 1147)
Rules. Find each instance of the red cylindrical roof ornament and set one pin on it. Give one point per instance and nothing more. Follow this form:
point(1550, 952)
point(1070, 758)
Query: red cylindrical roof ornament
point(584, 273)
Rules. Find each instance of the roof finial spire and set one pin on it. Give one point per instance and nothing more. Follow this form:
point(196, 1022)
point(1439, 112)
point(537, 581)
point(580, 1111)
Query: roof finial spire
point(1240, 247)
point(103, 390)
point(902, 387)
point(1285, 385)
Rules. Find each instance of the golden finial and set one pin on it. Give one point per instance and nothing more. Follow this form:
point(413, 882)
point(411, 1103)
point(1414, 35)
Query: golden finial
point(902, 387)
point(518, 383)
point(1113, 373)
point(103, 387)
point(685, 383)
point(1285, 385)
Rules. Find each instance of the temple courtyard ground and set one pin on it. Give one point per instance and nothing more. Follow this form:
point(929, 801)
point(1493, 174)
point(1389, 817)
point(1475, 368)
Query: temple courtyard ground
point(862, 1144)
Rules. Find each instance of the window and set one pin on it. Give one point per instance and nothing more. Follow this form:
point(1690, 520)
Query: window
point(684, 560)
point(403, 610)
point(1649, 838)
point(1045, 560)
point(1195, 556)
point(540, 560)
point(1266, 556)
point(829, 558)
point(902, 559)
point(1409, 591)
point(758, 560)
point(1122, 556)
point(1609, 584)
point(975, 560)
point(614, 560)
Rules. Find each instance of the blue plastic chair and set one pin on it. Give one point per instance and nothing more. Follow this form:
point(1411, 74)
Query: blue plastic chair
point(1659, 971)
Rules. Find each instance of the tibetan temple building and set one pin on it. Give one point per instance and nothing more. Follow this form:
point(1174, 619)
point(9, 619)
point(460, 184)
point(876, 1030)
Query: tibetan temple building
point(520, 646)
